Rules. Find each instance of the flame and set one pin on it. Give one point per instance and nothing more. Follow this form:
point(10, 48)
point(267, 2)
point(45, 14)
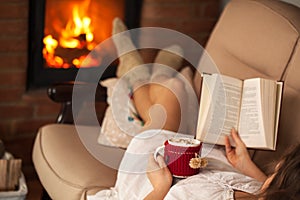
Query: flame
point(50, 44)
point(77, 34)
point(78, 29)
point(49, 51)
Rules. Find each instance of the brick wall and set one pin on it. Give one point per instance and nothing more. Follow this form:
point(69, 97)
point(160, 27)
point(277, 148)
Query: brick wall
point(195, 18)
point(23, 112)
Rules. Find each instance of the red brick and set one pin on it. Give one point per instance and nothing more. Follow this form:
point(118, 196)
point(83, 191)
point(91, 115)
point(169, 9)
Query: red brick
point(47, 110)
point(16, 10)
point(37, 97)
point(159, 23)
point(14, 44)
point(13, 61)
point(198, 9)
point(9, 112)
point(30, 126)
point(145, 2)
point(207, 9)
point(21, 148)
point(212, 9)
point(5, 130)
point(175, 11)
point(197, 26)
point(11, 94)
point(12, 79)
point(14, 27)
point(201, 38)
point(12, 1)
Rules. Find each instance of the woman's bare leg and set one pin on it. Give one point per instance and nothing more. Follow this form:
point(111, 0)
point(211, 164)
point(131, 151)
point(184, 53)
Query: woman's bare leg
point(169, 95)
point(158, 104)
point(155, 103)
point(142, 101)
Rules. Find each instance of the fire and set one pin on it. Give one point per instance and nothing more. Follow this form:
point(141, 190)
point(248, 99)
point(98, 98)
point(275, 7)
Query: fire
point(49, 50)
point(77, 34)
point(77, 30)
point(50, 44)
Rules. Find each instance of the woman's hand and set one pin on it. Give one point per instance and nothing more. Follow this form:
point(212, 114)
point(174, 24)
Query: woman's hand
point(238, 156)
point(240, 159)
point(160, 178)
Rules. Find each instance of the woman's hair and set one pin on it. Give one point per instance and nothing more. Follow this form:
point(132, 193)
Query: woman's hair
point(286, 182)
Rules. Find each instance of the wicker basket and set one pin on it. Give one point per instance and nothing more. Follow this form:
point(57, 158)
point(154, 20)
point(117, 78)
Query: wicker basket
point(12, 181)
point(20, 194)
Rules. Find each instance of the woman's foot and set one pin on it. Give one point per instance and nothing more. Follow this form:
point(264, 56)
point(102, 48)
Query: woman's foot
point(167, 62)
point(129, 57)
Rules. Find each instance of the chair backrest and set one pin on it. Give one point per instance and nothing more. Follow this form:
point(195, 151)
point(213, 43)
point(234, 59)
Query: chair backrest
point(260, 38)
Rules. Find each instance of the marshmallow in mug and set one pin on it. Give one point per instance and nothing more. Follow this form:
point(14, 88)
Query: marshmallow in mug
point(186, 142)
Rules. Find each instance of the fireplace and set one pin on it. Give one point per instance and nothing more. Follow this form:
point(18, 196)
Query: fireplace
point(63, 32)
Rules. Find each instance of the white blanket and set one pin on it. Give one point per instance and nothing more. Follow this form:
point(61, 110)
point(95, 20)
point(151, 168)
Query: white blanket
point(217, 181)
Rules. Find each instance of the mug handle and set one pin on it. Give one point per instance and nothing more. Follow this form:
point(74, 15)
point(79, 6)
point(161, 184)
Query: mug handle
point(159, 151)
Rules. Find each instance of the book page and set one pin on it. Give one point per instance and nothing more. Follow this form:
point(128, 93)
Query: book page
point(279, 86)
point(259, 113)
point(251, 128)
point(269, 98)
point(223, 111)
point(208, 85)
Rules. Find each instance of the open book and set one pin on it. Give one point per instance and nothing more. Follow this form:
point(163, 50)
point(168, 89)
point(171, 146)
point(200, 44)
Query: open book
point(250, 106)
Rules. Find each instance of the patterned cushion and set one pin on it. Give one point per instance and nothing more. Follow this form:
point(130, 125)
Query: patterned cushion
point(121, 121)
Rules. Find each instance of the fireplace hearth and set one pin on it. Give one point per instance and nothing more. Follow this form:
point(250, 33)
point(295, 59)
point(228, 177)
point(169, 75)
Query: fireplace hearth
point(63, 32)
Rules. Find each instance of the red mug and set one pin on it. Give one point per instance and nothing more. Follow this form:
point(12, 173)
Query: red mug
point(178, 153)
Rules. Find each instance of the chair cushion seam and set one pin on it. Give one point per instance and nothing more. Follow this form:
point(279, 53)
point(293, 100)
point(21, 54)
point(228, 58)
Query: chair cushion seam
point(51, 168)
point(285, 71)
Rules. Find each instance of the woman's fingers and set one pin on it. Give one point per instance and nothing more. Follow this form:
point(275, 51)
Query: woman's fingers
point(153, 165)
point(236, 137)
point(227, 145)
point(161, 161)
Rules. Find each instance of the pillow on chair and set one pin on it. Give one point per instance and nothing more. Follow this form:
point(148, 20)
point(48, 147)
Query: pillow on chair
point(121, 122)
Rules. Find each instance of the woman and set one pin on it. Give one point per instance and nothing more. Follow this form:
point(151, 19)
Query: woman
point(282, 184)
point(231, 175)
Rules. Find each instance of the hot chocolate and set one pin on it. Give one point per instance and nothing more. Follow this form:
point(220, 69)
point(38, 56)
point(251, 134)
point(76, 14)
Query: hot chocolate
point(186, 142)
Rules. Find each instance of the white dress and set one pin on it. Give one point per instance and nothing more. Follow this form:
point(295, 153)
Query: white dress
point(217, 181)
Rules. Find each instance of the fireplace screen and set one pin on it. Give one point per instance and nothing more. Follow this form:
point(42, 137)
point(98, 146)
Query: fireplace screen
point(63, 32)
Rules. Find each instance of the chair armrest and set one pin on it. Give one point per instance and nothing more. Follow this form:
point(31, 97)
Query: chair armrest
point(62, 93)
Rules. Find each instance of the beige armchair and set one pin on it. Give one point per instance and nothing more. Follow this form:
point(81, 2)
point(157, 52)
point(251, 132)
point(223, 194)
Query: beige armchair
point(251, 39)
